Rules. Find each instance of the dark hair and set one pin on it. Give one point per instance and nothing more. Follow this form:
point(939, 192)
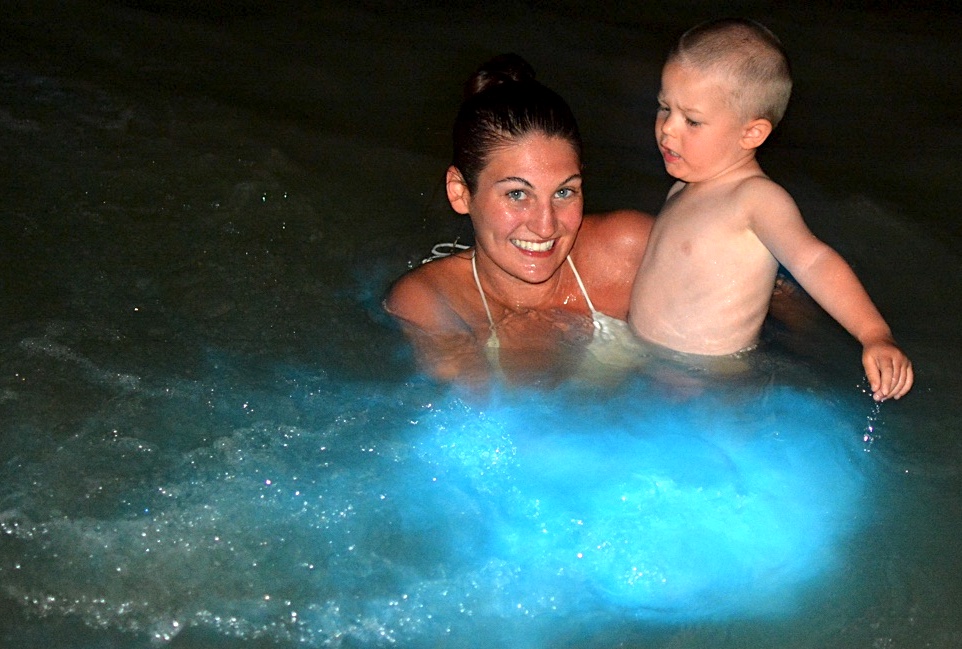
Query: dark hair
point(502, 103)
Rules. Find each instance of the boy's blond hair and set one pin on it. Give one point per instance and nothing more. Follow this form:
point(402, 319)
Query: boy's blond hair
point(749, 55)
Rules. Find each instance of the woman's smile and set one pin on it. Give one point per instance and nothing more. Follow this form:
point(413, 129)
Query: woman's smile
point(533, 246)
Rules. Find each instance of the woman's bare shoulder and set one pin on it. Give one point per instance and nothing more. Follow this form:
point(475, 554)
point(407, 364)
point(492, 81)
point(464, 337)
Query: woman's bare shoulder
point(608, 253)
point(619, 232)
point(423, 296)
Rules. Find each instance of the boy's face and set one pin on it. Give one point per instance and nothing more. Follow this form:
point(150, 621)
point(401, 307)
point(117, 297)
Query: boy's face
point(699, 132)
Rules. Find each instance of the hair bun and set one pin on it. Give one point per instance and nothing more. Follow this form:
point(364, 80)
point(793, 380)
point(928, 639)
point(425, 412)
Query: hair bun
point(504, 68)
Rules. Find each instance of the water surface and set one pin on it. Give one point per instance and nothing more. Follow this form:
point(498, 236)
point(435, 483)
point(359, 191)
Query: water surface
point(212, 435)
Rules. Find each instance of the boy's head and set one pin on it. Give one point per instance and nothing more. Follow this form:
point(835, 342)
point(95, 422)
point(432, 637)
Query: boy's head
point(748, 56)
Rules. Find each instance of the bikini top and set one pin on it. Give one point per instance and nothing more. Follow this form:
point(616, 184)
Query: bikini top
point(611, 342)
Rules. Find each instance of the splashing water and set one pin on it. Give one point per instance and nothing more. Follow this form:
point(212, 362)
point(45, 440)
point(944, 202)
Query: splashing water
point(873, 419)
point(388, 514)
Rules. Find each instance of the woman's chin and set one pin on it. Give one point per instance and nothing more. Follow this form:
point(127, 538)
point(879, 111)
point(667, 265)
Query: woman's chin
point(541, 268)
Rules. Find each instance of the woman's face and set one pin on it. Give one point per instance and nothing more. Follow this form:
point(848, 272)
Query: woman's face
point(527, 207)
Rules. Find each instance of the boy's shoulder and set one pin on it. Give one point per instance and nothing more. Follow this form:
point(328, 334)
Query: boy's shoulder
point(759, 187)
point(761, 197)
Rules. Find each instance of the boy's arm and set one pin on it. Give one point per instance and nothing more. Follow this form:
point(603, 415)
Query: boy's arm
point(832, 283)
point(826, 276)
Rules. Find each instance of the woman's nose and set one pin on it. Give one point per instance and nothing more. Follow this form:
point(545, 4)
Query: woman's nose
point(543, 221)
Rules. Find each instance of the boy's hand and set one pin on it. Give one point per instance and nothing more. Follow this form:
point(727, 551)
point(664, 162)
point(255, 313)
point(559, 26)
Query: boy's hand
point(888, 369)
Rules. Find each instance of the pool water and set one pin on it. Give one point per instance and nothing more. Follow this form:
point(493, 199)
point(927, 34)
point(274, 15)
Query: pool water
point(212, 436)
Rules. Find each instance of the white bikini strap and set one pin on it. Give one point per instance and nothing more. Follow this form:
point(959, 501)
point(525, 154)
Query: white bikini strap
point(581, 285)
point(484, 300)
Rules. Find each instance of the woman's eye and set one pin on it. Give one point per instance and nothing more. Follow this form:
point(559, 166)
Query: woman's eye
point(567, 192)
point(516, 194)
point(662, 109)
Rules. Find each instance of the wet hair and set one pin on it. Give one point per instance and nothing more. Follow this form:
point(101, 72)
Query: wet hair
point(502, 104)
point(751, 57)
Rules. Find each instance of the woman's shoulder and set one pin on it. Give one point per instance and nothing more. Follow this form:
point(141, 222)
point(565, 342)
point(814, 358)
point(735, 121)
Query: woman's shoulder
point(608, 253)
point(620, 231)
point(423, 296)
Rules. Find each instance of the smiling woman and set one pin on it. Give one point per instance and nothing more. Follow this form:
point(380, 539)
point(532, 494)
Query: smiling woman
point(544, 285)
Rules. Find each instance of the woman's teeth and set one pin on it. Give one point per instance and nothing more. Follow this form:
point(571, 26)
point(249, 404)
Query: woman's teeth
point(533, 246)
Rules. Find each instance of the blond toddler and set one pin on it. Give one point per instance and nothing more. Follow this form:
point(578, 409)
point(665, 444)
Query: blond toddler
point(706, 279)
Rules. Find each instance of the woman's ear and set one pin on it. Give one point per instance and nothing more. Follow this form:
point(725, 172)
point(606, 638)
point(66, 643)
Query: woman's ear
point(756, 132)
point(458, 194)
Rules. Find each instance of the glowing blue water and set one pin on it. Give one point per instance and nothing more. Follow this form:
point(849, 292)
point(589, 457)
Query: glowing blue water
point(376, 516)
point(675, 512)
point(210, 435)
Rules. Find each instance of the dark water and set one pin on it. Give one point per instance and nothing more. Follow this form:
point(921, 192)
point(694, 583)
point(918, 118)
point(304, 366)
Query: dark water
point(212, 436)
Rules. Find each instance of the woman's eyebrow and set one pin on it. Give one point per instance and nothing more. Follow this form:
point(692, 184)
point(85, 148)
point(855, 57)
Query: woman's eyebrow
point(516, 179)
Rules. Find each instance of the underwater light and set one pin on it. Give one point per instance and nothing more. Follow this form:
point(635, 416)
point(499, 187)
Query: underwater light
point(386, 520)
point(684, 511)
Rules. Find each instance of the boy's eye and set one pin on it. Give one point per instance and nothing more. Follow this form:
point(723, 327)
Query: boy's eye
point(691, 122)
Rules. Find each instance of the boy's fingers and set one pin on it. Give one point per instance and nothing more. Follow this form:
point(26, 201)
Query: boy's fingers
point(889, 373)
point(882, 384)
point(902, 378)
point(872, 373)
point(906, 379)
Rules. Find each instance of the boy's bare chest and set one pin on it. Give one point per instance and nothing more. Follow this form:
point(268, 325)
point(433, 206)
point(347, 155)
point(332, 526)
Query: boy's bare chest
point(699, 219)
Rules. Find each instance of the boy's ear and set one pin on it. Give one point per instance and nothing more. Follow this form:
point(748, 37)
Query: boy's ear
point(458, 194)
point(756, 132)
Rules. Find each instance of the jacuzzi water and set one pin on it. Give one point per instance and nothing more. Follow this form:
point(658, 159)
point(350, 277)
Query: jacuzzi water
point(213, 437)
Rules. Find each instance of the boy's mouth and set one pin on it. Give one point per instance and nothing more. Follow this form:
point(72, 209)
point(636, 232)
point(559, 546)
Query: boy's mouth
point(669, 155)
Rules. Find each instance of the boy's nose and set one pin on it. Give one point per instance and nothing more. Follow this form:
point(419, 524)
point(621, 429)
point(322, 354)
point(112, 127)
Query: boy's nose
point(666, 126)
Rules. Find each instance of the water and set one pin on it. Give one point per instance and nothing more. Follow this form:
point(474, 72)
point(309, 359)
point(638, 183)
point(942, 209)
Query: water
point(212, 436)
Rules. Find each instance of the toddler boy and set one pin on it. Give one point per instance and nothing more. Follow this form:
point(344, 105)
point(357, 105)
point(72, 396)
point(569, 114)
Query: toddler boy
point(706, 279)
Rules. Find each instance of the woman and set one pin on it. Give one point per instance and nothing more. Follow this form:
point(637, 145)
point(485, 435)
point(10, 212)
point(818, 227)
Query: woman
point(542, 285)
